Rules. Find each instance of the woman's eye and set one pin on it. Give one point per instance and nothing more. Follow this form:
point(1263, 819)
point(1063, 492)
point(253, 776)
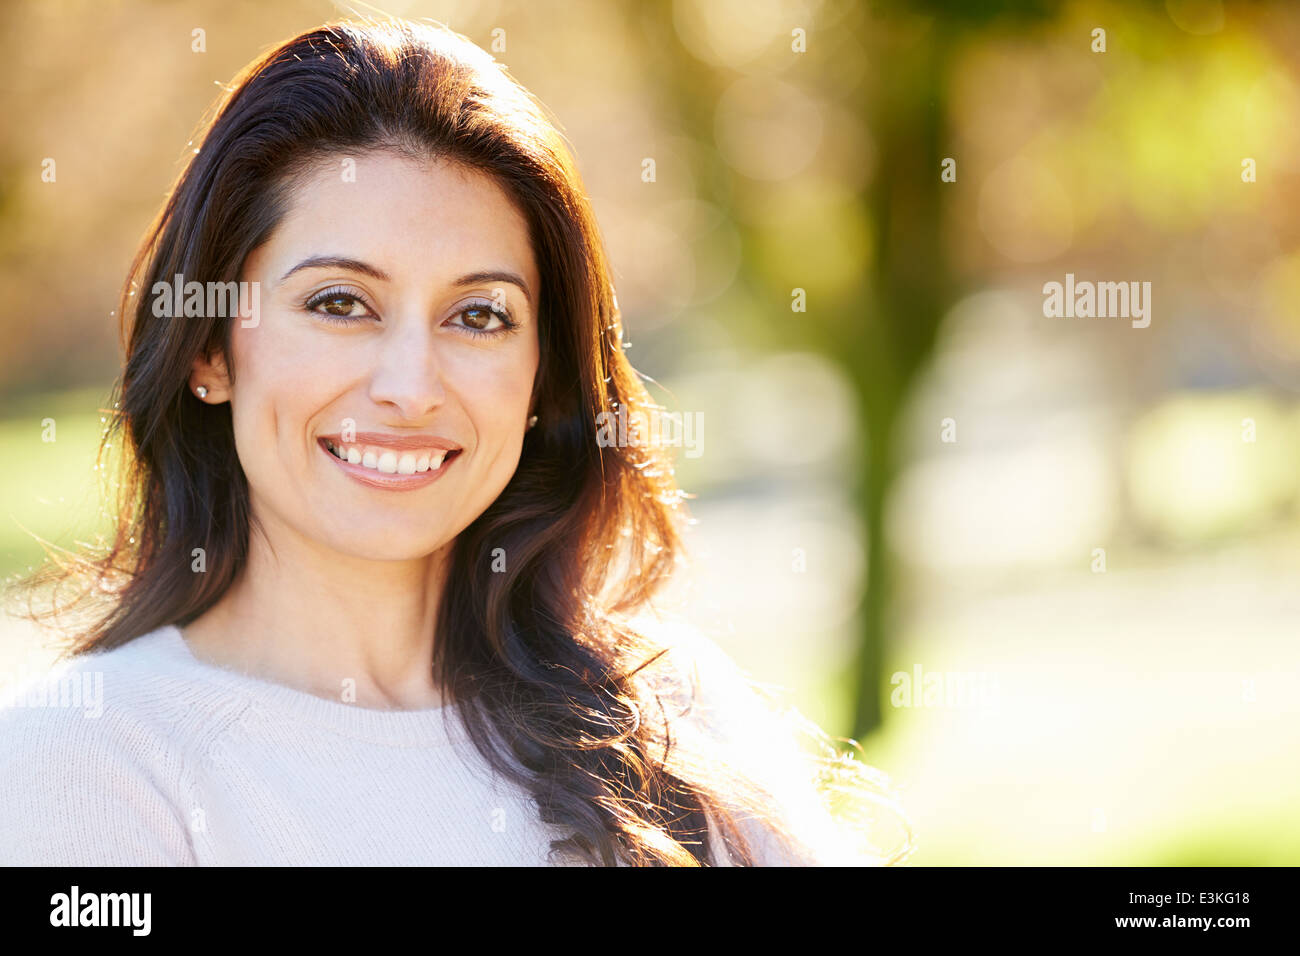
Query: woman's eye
point(480, 318)
point(339, 305)
point(336, 304)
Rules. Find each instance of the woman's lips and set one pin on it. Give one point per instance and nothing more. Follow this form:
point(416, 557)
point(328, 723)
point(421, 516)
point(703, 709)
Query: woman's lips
point(388, 481)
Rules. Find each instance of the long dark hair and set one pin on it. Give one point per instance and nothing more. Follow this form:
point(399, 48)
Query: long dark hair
point(556, 687)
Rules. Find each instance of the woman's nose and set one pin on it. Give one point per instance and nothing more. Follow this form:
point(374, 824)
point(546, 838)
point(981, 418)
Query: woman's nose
point(409, 374)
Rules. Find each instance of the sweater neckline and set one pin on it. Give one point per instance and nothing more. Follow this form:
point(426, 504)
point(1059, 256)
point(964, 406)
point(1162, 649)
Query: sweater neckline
point(400, 727)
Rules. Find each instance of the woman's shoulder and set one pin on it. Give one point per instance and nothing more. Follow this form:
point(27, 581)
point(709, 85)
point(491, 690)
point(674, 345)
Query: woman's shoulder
point(753, 728)
point(93, 763)
point(138, 701)
point(711, 690)
point(742, 728)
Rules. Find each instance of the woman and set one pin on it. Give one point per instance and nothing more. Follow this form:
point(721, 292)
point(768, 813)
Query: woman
point(372, 593)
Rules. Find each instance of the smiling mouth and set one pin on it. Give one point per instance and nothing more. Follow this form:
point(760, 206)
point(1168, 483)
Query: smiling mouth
point(389, 468)
point(389, 462)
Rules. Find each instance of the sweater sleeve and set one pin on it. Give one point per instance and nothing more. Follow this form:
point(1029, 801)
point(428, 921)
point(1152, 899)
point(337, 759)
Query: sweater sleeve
point(77, 790)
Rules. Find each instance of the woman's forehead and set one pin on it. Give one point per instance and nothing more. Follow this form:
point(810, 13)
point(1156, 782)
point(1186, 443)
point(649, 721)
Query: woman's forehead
point(403, 214)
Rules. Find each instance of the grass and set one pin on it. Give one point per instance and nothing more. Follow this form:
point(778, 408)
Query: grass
point(50, 488)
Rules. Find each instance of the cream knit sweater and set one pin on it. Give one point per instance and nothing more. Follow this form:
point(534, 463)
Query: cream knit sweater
point(145, 755)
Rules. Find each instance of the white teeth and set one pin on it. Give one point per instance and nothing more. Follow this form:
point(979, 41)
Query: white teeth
point(389, 462)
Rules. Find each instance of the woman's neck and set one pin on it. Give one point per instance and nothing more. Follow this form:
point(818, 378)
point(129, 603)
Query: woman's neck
point(330, 624)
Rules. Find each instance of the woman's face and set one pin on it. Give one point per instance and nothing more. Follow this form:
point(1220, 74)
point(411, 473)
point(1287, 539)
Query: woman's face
point(382, 397)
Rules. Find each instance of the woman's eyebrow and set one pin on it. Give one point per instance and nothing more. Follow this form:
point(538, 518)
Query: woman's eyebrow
point(500, 275)
point(365, 268)
point(338, 262)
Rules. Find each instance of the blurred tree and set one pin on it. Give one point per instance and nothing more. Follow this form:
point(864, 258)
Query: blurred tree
point(894, 310)
point(910, 282)
point(908, 292)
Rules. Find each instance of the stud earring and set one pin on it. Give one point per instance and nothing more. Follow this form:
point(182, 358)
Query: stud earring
point(532, 421)
point(201, 391)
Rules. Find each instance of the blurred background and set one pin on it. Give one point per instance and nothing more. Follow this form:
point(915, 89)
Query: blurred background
point(1043, 569)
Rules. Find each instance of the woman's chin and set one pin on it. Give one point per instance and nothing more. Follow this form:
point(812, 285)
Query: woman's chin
point(381, 544)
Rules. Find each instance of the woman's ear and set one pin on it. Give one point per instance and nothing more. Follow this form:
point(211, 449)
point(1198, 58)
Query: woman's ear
point(209, 380)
